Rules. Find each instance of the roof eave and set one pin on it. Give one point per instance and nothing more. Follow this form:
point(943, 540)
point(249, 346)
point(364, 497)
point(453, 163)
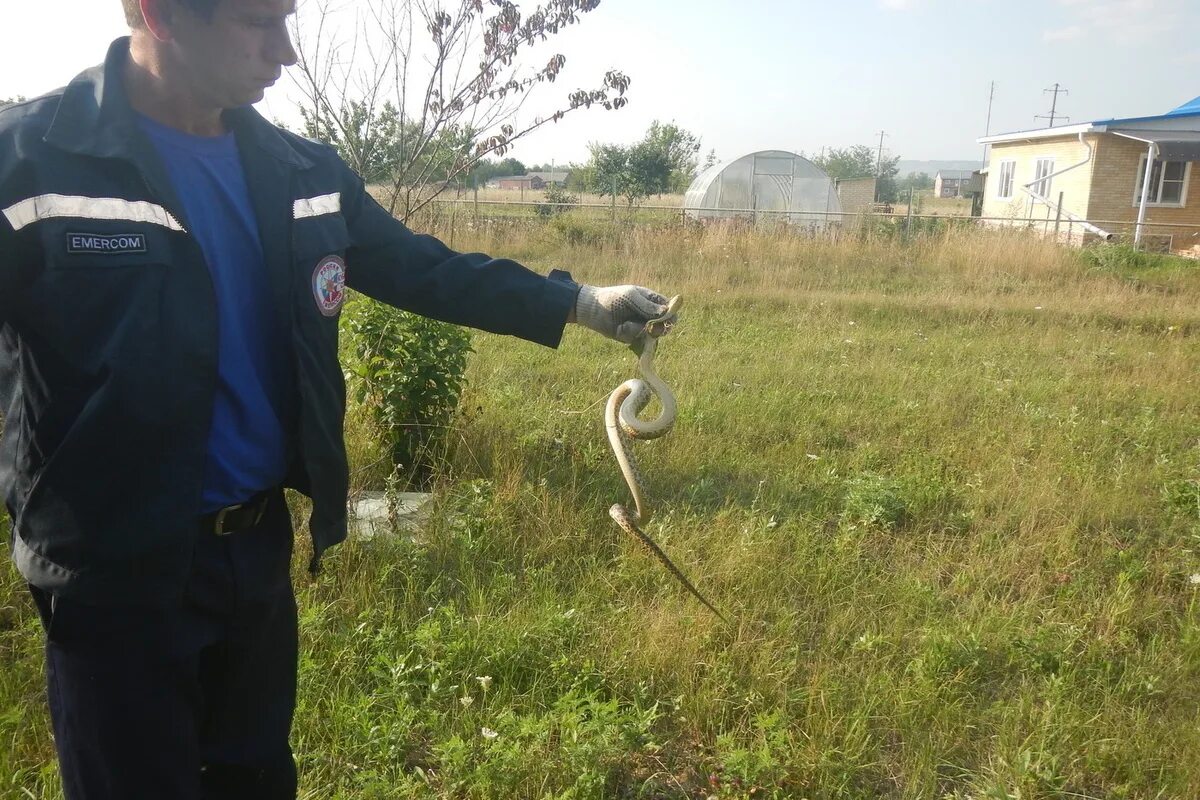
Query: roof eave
point(1044, 133)
point(1171, 116)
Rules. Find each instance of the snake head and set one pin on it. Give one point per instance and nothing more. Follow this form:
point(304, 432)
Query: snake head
point(661, 326)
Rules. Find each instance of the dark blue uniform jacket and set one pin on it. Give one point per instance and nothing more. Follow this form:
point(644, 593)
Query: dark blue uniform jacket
point(108, 340)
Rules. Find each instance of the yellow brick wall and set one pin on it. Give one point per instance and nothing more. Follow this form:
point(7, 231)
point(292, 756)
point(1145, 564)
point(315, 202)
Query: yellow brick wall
point(1113, 193)
point(1075, 185)
point(856, 194)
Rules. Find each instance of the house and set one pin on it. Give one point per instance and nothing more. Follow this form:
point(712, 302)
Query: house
point(1090, 180)
point(555, 178)
point(517, 182)
point(951, 183)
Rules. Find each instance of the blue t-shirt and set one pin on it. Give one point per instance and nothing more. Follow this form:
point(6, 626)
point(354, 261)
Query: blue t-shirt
point(247, 446)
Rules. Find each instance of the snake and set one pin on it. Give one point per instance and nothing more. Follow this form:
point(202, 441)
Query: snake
point(623, 425)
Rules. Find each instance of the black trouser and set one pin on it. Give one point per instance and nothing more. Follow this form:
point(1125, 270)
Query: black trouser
point(187, 701)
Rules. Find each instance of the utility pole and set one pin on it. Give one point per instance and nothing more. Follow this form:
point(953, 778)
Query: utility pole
point(879, 165)
point(1056, 91)
point(987, 131)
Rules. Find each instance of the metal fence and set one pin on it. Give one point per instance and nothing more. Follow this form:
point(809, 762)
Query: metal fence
point(1165, 237)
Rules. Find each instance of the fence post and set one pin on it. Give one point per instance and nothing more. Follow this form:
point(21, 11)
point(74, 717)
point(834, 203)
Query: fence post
point(614, 200)
point(476, 181)
point(1058, 215)
point(908, 222)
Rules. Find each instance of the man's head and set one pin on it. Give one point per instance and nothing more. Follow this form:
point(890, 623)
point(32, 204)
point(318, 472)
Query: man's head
point(133, 10)
point(217, 53)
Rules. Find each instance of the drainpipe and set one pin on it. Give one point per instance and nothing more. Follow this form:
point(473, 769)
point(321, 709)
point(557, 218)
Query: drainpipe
point(1151, 156)
point(1028, 189)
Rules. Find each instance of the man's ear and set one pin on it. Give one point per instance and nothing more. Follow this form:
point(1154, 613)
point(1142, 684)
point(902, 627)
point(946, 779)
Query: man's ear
point(158, 14)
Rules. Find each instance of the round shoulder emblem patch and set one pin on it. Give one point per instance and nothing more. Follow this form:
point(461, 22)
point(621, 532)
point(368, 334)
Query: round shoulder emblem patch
point(329, 284)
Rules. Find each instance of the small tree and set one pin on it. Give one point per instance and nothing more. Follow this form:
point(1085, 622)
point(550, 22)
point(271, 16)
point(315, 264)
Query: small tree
point(915, 180)
point(664, 160)
point(422, 92)
point(609, 167)
point(679, 148)
point(860, 161)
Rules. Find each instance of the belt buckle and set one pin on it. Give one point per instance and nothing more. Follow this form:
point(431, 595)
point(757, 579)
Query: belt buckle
point(220, 519)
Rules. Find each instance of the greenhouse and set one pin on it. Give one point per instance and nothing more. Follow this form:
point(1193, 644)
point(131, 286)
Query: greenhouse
point(767, 185)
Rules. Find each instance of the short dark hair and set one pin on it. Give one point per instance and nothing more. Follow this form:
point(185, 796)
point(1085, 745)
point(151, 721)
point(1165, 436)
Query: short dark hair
point(202, 8)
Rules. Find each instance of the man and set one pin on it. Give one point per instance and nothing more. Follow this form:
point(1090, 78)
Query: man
point(171, 272)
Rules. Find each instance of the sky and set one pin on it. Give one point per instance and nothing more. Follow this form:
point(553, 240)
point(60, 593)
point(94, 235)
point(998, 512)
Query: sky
point(769, 74)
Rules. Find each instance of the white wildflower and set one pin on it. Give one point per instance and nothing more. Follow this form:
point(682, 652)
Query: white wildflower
point(488, 733)
point(485, 681)
point(1194, 579)
point(466, 700)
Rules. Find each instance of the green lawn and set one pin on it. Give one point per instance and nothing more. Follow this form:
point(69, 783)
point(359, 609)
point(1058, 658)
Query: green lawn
point(948, 491)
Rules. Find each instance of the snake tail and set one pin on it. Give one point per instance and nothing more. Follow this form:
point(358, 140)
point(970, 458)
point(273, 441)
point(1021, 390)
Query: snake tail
point(622, 517)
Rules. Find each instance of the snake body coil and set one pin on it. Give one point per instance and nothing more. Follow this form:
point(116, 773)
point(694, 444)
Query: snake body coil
point(624, 425)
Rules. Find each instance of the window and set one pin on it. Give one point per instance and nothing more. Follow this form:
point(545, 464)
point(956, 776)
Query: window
point(1004, 190)
point(1168, 182)
point(1042, 183)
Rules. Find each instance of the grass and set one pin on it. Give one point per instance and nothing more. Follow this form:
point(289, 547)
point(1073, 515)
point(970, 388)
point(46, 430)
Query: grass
point(947, 489)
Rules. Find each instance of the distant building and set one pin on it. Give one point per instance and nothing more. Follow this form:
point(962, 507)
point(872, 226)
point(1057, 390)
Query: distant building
point(856, 194)
point(1090, 180)
point(951, 183)
point(517, 182)
point(555, 178)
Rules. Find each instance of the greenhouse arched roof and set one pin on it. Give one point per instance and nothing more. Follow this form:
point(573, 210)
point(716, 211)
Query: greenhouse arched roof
point(769, 184)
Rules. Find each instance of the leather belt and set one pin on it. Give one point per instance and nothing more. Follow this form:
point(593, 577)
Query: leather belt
point(240, 516)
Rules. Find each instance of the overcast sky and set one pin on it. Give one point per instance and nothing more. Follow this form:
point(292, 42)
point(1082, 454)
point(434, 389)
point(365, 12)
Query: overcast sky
point(770, 74)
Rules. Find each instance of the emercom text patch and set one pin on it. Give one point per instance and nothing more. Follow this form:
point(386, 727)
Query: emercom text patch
point(106, 243)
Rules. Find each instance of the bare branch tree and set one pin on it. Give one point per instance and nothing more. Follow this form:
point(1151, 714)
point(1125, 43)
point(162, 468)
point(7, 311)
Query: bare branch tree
point(415, 92)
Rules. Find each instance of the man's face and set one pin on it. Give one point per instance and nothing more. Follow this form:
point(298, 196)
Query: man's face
point(233, 58)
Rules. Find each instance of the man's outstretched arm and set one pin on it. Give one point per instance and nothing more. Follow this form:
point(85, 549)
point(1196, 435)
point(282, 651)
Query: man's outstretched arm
point(419, 273)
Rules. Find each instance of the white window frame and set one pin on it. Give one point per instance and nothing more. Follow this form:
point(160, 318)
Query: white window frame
point(1156, 191)
point(1012, 179)
point(1043, 186)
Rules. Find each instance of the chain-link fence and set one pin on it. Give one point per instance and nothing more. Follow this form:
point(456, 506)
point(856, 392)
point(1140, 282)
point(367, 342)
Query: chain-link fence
point(449, 212)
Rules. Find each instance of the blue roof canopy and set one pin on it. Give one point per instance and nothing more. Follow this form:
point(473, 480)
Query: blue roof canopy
point(1192, 107)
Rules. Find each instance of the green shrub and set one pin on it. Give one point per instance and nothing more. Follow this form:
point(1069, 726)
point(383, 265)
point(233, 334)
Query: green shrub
point(558, 201)
point(875, 501)
point(577, 231)
point(1124, 257)
point(409, 372)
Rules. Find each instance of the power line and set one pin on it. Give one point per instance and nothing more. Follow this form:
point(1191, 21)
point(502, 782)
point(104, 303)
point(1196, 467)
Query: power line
point(1053, 115)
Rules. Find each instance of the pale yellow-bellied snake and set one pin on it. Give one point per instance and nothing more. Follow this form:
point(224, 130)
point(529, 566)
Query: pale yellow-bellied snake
point(623, 425)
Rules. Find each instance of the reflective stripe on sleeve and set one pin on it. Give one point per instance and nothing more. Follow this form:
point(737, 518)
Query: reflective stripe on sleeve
point(48, 206)
point(317, 206)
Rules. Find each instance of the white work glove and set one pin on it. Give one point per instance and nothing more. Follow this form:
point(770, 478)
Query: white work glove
point(618, 312)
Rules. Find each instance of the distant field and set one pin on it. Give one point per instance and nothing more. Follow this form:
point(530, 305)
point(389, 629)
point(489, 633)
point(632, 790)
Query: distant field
point(948, 490)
